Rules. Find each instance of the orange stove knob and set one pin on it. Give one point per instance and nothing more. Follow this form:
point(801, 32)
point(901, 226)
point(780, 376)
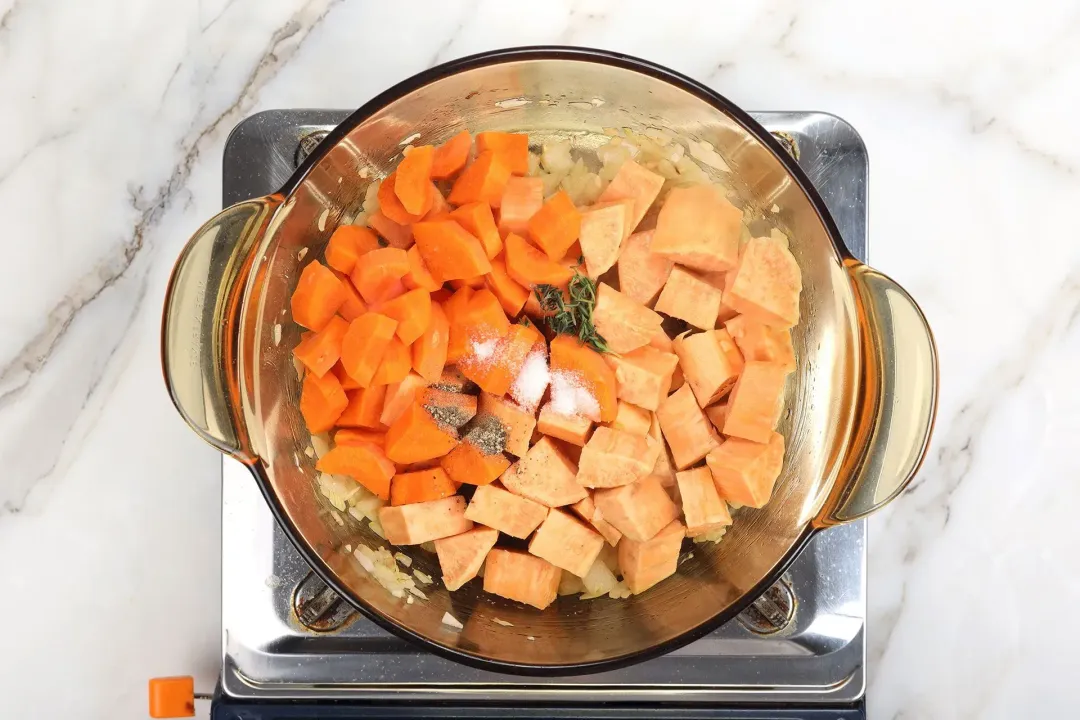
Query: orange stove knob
point(172, 697)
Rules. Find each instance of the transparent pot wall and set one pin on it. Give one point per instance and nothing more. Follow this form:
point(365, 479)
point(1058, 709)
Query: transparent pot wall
point(576, 100)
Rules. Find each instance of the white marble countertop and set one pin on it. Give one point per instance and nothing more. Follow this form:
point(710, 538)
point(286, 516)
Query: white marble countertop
point(114, 114)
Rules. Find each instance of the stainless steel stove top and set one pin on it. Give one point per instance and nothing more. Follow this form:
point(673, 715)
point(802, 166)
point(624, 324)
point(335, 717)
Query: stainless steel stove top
point(803, 642)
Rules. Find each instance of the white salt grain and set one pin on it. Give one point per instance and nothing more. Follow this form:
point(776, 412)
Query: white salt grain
point(570, 398)
point(484, 350)
point(531, 382)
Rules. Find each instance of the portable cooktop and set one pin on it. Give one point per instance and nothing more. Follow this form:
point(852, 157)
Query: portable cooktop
point(292, 648)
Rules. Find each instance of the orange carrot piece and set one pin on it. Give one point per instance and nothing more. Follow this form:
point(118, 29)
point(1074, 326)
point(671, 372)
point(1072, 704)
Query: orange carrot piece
point(415, 437)
point(468, 465)
point(321, 401)
point(474, 282)
point(457, 302)
point(317, 296)
point(396, 235)
point(450, 251)
point(364, 344)
point(347, 383)
point(395, 364)
point(412, 184)
point(412, 312)
point(511, 295)
point(320, 351)
point(439, 206)
point(377, 275)
point(529, 267)
point(429, 352)
point(421, 486)
point(353, 436)
point(399, 397)
point(483, 181)
point(522, 198)
point(354, 305)
point(556, 226)
point(348, 243)
point(451, 156)
point(365, 407)
point(482, 320)
point(418, 275)
point(513, 148)
point(391, 207)
point(496, 374)
point(568, 354)
point(367, 464)
point(478, 219)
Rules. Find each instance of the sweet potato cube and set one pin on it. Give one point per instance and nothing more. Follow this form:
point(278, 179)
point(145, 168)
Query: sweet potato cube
point(664, 469)
point(545, 476)
point(603, 229)
point(745, 471)
point(703, 509)
point(642, 273)
point(711, 363)
point(506, 512)
point(717, 415)
point(757, 341)
point(766, 284)
point(613, 457)
point(586, 509)
point(461, 556)
point(518, 423)
point(624, 323)
point(520, 576)
point(756, 402)
point(638, 510)
point(643, 564)
point(423, 522)
point(632, 419)
point(699, 228)
point(689, 298)
point(633, 182)
point(644, 375)
point(573, 429)
point(686, 429)
point(566, 543)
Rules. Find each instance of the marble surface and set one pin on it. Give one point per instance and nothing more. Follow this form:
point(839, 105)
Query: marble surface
point(114, 114)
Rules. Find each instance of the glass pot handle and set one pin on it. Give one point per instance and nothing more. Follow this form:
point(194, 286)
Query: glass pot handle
point(199, 334)
point(897, 402)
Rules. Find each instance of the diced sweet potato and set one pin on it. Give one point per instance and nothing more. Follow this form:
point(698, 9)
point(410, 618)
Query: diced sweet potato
point(587, 511)
point(512, 514)
point(664, 469)
point(643, 564)
point(642, 273)
point(756, 402)
point(624, 323)
point(566, 543)
point(421, 486)
point(766, 284)
point(423, 522)
point(758, 341)
point(717, 415)
point(704, 510)
point(545, 476)
point(689, 298)
point(613, 457)
point(644, 375)
point(661, 342)
point(638, 510)
point(448, 408)
point(745, 471)
point(603, 229)
point(711, 363)
point(686, 429)
point(519, 424)
point(569, 428)
point(522, 577)
point(632, 419)
point(633, 182)
point(699, 228)
point(461, 556)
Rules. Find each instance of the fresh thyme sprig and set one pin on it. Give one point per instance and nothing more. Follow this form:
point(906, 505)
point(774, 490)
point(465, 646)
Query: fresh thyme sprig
point(573, 317)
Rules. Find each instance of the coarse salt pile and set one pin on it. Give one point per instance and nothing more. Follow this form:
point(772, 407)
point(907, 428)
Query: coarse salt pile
point(532, 381)
point(570, 397)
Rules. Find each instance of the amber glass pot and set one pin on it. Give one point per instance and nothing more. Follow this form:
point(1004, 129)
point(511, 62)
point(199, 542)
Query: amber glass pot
point(860, 407)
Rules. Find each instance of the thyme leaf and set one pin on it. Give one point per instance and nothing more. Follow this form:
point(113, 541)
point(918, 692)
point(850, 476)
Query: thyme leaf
point(572, 315)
